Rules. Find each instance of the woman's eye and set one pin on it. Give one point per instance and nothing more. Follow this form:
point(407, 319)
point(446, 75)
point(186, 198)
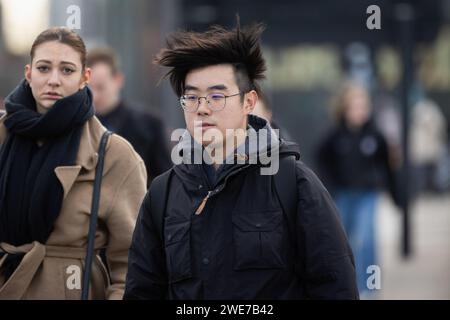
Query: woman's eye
point(43, 68)
point(68, 70)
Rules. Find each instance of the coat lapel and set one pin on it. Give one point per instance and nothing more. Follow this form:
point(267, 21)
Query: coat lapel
point(87, 156)
point(67, 176)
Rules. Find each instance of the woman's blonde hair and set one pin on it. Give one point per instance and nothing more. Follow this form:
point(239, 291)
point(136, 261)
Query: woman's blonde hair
point(339, 99)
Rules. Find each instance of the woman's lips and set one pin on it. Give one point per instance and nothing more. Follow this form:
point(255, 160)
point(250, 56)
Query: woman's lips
point(52, 96)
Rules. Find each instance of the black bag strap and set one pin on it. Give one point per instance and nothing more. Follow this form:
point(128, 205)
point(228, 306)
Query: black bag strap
point(159, 190)
point(94, 215)
point(286, 188)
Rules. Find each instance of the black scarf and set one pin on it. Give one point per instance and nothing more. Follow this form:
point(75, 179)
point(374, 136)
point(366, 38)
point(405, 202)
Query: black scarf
point(30, 193)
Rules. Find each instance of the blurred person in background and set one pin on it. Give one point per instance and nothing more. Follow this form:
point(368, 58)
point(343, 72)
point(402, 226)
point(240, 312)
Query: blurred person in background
point(354, 163)
point(263, 109)
point(50, 141)
point(428, 145)
point(2, 106)
point(144, 131)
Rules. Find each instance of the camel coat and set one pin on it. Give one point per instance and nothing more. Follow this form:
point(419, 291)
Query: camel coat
point(54, 270)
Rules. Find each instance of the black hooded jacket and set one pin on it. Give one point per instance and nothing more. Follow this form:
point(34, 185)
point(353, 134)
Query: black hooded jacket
point(239, 247)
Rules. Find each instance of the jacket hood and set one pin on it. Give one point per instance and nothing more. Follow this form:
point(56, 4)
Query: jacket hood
point(261, 144)
point(261, 140)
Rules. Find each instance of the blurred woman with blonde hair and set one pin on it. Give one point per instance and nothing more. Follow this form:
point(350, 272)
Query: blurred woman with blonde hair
point(354, 163)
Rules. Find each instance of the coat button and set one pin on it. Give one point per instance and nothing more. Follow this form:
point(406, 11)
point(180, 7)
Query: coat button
point(205, 261)
point(258, 225)
point(200, 186)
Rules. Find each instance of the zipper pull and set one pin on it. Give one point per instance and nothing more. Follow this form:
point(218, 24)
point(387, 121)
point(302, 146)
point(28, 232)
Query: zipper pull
point(202, 205)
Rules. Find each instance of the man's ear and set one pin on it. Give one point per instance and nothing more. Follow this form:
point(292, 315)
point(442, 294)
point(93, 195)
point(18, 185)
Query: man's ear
point(120, 79)
point(86, 77)
point(250, 100)
point(27, 73)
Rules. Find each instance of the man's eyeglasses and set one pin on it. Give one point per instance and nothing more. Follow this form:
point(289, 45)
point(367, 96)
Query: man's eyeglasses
point(215, 101)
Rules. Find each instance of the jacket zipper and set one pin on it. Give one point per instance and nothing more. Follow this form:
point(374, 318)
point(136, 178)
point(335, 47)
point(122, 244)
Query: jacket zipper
point(203, 203)
point(216, 191)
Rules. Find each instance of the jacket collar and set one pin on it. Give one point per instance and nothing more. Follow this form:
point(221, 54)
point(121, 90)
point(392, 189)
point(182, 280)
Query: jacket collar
point(90, 140)
point(192, 174)
point(191, 150)
point(87, 155)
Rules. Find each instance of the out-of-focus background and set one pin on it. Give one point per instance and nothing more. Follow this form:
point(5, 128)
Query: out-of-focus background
point(311, 48)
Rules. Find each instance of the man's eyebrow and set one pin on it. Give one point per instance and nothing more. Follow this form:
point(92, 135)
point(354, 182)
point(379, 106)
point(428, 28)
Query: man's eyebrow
point(214, 87)
point(218, 87)
point(189, 87)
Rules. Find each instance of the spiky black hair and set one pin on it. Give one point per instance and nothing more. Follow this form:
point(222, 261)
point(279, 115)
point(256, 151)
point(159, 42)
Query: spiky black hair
point(239, 47)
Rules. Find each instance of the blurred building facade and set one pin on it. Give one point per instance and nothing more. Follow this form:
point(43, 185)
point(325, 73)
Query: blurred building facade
point(308, 47)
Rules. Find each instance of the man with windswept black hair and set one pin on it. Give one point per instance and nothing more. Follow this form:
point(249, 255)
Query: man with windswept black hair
point(238, 216)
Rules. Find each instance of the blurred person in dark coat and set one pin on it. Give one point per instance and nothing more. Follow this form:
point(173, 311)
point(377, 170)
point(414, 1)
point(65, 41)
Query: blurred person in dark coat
point(263, 109)
point(144, 131)
point(354, 163)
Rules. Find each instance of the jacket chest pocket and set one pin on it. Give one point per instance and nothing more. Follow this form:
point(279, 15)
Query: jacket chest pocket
point(258, 240)
point(178, 249)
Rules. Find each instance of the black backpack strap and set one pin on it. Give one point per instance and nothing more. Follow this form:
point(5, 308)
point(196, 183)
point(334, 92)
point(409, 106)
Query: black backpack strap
point(159, 189)
point(286, 188)
point(94, 215)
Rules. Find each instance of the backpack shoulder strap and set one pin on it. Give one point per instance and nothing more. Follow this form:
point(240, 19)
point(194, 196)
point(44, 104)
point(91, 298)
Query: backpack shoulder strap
point(286, 188)
point(159, 190)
